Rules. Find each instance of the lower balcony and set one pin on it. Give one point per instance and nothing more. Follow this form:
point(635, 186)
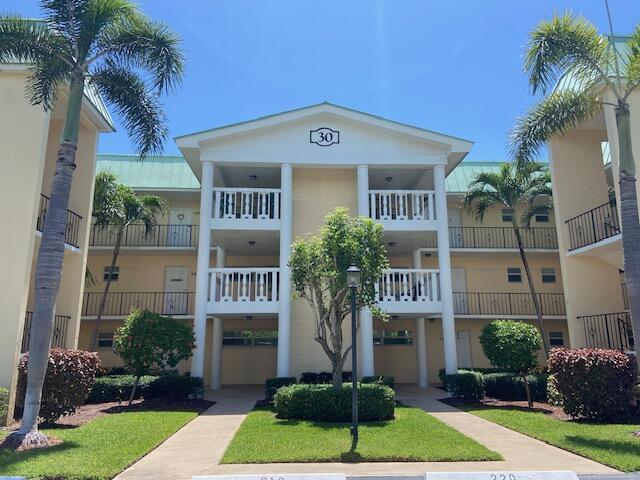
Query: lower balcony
point(507, 304)
point(608, 330)
point(59, 337)
point(135, 235)
point(244, 291)
point(119, 304)
point(499, 238)
point(72, 234)
point(594, 226)
point(409, 291)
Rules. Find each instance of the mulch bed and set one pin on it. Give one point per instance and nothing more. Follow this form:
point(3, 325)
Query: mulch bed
point(541, 407)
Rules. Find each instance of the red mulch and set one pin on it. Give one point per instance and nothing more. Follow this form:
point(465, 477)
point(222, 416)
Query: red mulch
point(542, 407)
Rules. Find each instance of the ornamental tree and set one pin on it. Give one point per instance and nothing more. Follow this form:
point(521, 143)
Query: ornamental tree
point(149, 342)
point(513, 345)
point(318, 273)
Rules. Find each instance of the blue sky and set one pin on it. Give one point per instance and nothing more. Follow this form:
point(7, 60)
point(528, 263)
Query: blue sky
point(453, 66)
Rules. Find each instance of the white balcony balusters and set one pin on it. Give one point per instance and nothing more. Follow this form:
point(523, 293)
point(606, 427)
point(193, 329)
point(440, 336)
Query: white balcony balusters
point(409, 290)
point(246, 204)
point(398, 207)
point(243, 290)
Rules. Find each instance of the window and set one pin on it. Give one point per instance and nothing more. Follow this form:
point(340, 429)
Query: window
point(393, 337)
point(105, 340)
point(507, 215)
point(514, 275)
point(548, 275)
point(248, 338)
point(115, 273)
point(542, 217)
point(556, 339)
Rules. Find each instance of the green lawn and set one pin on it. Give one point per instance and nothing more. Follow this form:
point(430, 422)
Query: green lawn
point(412, 436)
point(611, 444)
point(97, 450)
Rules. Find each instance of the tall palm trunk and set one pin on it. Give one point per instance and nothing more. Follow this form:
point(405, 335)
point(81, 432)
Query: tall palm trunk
point(532, 288)
point(629, 219)
point(48, 273)
point(105, 292)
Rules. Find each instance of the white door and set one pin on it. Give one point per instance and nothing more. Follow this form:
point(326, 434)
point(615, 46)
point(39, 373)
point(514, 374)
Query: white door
point(175, 287)
point(456, 239)
point(463, 347)
point(459, 283)
point(179, 230)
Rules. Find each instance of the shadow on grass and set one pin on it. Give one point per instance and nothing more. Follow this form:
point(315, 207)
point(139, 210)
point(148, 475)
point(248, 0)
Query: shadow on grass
point(616, 446)
point(9, 456)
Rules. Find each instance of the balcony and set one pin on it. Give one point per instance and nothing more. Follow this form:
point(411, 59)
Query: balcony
point(72, 234)
point(59, 337)
point(608, 330)
point(411, 291)
point(243, 290)
point(593, 226)
point(119, 304)
point(508, 304)
point(499, 238)
point(246, 208)
point(403, 209)
point(162, 236)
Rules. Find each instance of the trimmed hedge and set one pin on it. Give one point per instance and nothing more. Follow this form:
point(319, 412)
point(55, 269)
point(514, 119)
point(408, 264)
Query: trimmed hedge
point(4, 405)
point(117, 388)
point(175, 388)
point(271, 385)
point(465, 384)
point(379, 380)
point(509, 386)
point(595, 384)
point(317, 378)
point(69, 378)
point(441, 373)
point(323, 403)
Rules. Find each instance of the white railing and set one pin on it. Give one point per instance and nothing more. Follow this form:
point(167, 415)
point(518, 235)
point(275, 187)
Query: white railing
point(409, 290)
point(237, 290)
point(402, 205)
point(246, 203)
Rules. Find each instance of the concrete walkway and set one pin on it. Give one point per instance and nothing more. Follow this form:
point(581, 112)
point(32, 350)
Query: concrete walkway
point(197, 448)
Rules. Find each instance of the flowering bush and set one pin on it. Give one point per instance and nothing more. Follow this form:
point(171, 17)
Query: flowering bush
point(67, 383)
point(595, 384)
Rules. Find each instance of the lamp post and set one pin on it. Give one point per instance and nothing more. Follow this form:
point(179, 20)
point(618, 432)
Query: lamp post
point(353, 281)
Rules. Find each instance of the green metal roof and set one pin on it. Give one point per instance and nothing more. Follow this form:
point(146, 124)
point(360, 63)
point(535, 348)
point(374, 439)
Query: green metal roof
point(153, 172)
point(168, 172)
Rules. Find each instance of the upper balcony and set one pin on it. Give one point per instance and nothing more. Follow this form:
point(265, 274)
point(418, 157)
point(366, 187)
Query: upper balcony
point(135, 235)
point(72, 235)
point(499, 238)
point(403, 210)
point(510, 304)
point(598, 226)
point(243, 290)
point(246, 208)
point(119, 304)
point(409, 291)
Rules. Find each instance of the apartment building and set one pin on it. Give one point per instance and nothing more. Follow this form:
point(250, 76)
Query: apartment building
point(30, 138)
point(585, 169)
point(240, 194)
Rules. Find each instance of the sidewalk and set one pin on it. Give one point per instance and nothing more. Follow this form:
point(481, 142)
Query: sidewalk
point(197, 448)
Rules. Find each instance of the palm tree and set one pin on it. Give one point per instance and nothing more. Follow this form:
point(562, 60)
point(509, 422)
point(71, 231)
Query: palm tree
point(116, 206)
point(566, 45)
point(111, 47)
point(526, 189)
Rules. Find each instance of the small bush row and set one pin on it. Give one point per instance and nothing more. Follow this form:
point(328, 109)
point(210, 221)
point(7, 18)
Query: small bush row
point(4, 405)
point(172, 387)
point(271, 385)
point(473, 384)
point(323, 403)
point(315, 378)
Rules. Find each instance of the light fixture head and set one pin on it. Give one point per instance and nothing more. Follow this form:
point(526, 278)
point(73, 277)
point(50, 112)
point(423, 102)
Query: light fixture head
point(249, 317)
point(252, 243)
point(427, 254)
point(353, 276)
point(392, 244)
point(388, 179)
point(253, 177)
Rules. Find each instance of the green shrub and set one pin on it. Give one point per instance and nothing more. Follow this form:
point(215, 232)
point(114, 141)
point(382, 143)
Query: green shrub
point(69, 379)
point(595, 384)
point(323, 403)
point(509, 386)
point(315, 378)
point(175, 388)
point(117, 388)
point(465, 384)
point(271, 385)
point(4, 405)
point(553, 395)
point(441, 372)
point(379, 380)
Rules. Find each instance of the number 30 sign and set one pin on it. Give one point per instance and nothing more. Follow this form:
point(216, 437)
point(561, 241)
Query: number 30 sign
point(324, 136)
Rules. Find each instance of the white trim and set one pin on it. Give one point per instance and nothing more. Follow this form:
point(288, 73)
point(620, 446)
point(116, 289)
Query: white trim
point(588, 250)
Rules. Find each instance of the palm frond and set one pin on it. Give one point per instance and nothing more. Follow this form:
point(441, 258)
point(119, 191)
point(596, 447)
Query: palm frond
point(30, 41)
point(139, 42)
point(633, 62)
point(532, 210)
point(140, 110)
point(565, 43)
point(554, 115)
point(45, 80)
point(479, 199)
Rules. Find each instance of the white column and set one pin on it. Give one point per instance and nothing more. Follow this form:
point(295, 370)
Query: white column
point(420, 338)
point(366, 320)
point(444, 265)
point(216, 344)
point(202, 272)
point(284, 314)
